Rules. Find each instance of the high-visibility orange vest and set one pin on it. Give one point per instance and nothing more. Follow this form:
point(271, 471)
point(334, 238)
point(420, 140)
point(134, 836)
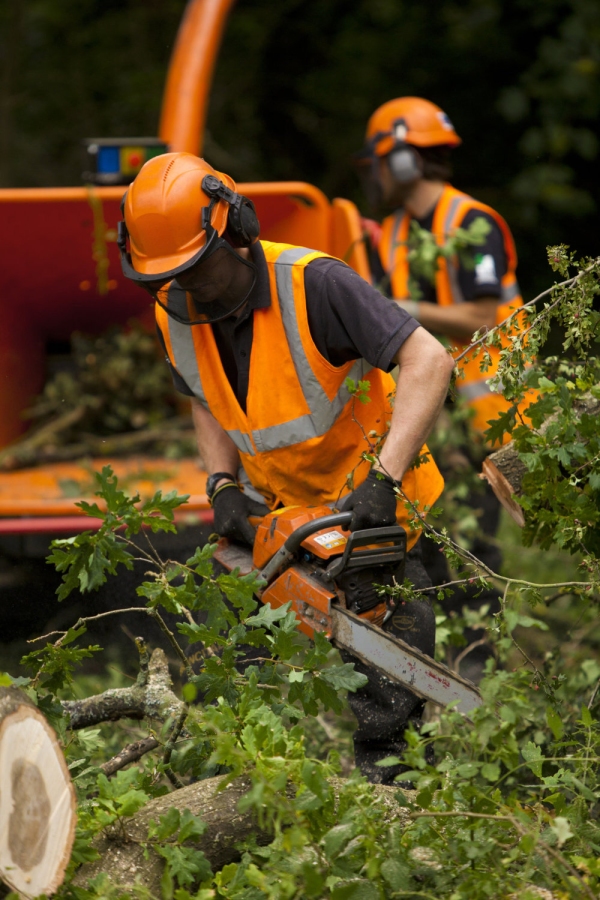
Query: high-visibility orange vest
point(450, 211)
point(302, 432)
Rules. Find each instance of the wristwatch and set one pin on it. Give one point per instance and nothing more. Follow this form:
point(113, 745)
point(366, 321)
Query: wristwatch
point(213, 480)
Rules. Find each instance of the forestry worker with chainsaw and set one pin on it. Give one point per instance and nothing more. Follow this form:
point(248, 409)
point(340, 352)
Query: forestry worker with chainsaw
point(262, 337)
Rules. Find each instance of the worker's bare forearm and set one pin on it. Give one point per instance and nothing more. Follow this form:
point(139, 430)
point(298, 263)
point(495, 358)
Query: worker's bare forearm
point(217, 450)
point(424, 374)
point(459, 321)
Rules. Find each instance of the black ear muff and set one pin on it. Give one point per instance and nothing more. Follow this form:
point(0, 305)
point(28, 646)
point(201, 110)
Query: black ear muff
point(405, 164)
point(243, 226)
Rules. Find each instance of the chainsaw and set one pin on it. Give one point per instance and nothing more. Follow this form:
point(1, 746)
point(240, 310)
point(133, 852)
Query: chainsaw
point(307, 556)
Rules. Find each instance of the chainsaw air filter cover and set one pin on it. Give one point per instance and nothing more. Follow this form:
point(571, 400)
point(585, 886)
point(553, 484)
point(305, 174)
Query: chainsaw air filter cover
point(278, 526)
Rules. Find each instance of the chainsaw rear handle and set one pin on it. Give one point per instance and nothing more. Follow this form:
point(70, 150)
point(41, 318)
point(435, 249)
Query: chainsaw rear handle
point(294, 541)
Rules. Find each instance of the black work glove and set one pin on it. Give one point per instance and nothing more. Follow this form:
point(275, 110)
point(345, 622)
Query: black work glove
point(373, 502)
point(232, 509)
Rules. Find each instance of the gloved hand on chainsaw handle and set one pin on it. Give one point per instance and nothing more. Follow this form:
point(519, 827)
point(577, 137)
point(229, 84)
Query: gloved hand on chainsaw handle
point(232, 508)
point(373, 502)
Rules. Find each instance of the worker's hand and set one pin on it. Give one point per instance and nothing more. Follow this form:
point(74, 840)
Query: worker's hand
point(232, 508)
point(373, 502)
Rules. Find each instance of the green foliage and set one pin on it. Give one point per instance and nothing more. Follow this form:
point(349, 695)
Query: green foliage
point(520, 778)
point(359, 390)
point(424, 252)
point(560, 447)
point(510, 803)
point(88, 558)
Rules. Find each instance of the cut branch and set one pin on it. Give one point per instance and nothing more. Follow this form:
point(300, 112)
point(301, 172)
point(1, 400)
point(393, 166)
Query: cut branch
point(505, 471)
point(129, 754)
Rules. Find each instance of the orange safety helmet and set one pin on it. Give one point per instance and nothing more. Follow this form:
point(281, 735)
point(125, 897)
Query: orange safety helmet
point(408, 120)
point(175, 212)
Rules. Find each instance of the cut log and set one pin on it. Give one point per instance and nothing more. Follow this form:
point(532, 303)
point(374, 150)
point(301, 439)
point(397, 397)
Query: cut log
point(504, 470)
point(125, 861)
point(37, 800)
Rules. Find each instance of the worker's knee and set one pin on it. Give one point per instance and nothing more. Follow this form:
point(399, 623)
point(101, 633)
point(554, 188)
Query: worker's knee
point(414, 620)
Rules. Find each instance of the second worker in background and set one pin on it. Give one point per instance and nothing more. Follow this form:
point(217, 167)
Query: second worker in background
point(406, 169)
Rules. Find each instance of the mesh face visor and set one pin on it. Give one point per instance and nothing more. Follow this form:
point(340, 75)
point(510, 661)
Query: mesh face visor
point(185, 304)
point(366, 164)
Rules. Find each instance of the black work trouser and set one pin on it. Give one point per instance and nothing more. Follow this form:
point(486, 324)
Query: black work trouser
point(383, 708)
point(485, 548)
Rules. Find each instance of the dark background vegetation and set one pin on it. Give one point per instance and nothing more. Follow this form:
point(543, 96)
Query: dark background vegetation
point(297, 79)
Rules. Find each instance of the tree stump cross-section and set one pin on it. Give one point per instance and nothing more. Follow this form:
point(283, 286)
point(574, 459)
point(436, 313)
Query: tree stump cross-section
point(37, 799)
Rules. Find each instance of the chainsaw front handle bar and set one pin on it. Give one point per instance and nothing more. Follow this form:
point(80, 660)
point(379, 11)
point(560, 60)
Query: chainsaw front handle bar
point(294, 541)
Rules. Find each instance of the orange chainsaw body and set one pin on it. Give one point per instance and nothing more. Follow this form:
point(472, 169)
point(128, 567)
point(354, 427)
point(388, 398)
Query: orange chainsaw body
point(311, 599)
point(276, 527)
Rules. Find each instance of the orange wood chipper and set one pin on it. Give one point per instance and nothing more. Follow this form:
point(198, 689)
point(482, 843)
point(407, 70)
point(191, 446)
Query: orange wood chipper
point(62, 274)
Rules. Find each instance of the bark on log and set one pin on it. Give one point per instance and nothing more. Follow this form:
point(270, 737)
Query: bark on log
point(504, 470)
point(122, 856)
point(37, 800)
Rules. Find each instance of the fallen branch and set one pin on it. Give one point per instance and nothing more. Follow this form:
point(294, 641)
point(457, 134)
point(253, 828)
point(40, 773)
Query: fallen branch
point(42, 447)
point(150, 697)
point(28, 448)
point(129, 754)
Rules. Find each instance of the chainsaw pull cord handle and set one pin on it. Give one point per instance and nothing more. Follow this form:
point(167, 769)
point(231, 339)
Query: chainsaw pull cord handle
point(292, 544)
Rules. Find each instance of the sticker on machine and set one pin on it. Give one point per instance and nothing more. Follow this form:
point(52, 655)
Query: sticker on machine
point(330, 540)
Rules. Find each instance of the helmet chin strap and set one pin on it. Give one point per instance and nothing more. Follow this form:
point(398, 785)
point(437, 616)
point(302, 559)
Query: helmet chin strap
point(215, 310)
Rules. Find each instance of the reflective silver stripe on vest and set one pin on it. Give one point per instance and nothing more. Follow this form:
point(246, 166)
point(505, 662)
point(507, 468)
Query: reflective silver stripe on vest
point(396, 228)
point(184, 353)
point(451, 212)
point(509, 292)
point(182, 342)
point(455, 289)
point(242, 441)
point(323, 411)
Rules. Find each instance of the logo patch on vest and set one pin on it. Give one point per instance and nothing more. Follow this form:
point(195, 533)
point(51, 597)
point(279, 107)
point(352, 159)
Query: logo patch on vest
point(485, 270)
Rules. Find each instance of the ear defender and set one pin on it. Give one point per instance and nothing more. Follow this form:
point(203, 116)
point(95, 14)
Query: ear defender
point(243, 226)
point(405, 164)
point(122, 233)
